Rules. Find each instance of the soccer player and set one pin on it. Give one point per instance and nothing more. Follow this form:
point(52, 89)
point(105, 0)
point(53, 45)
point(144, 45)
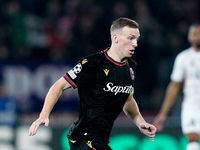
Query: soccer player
point(186, 70)
point(105, 83)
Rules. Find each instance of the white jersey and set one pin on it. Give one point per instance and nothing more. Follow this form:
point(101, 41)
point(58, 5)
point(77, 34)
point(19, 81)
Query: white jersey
point(187, 68)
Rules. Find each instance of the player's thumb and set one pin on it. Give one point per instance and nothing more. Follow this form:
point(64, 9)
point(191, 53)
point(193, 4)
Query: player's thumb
point(144, 126)
point(46, 122)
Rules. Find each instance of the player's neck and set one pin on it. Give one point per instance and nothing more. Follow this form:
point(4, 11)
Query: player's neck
point(114, 55)
point(197, 49)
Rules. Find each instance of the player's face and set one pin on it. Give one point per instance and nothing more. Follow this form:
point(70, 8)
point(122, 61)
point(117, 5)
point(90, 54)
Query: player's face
point(128, 41)
point(194, 36)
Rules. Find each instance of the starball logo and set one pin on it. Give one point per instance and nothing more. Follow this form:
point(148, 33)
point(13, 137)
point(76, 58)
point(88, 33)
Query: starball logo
point(118, 89)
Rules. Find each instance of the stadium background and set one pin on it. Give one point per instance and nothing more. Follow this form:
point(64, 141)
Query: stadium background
point(41, 39)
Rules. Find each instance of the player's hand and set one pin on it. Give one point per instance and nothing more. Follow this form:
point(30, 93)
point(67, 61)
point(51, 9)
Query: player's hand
point(148, 129)
point(35, 125)
point(158, 122)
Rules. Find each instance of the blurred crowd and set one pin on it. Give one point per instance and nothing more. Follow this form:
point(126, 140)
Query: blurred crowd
point(65, 30)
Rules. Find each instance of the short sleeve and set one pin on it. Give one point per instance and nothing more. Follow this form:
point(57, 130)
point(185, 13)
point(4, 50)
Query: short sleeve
point(82, 73)
point(178, 69)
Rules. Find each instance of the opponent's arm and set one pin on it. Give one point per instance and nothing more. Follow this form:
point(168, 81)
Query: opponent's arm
point(171, 94)
point(51, 98)
point(132, 111)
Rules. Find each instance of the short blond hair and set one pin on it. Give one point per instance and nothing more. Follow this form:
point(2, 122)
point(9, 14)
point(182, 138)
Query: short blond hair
point(123, 22)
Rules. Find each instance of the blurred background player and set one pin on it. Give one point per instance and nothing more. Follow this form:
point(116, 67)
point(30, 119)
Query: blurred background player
point(8, 107)
point(186, 73)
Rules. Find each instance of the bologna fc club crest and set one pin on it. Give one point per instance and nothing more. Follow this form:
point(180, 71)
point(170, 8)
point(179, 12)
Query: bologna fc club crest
point(132, 74)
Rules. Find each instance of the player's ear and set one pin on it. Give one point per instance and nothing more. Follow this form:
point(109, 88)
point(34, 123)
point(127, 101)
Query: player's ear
point(115, 38)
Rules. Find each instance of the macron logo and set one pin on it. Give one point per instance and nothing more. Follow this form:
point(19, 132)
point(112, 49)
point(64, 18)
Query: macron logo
point(118, 89)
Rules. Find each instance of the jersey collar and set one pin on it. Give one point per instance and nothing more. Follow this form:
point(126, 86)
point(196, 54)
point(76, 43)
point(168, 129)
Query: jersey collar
point(112, 60)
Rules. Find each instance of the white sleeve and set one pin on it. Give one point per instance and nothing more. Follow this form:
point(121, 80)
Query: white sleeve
point(178, 69)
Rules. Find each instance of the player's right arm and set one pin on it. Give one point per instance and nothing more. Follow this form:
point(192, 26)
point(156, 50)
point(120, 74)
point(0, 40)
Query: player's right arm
point(171, 94)
point(51, 98)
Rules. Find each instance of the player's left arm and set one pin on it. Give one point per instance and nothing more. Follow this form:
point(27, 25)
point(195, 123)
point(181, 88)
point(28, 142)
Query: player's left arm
point(132, 111)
